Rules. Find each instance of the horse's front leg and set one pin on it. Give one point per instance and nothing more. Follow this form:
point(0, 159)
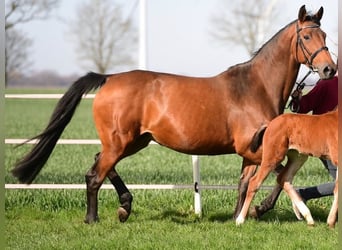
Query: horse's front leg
point(269, 202)
point(247, 171)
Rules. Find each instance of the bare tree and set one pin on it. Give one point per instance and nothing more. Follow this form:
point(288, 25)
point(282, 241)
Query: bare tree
point(16, 56)
point(22, 11)
point(17, 44)
point(104, 37)
point(244, 23)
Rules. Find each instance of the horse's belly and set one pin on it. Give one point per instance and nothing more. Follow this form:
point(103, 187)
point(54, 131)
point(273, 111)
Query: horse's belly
point(197, 145)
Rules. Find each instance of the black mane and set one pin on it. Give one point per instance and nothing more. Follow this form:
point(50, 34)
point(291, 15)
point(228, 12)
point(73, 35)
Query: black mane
point(308, 18)
point(276, 34)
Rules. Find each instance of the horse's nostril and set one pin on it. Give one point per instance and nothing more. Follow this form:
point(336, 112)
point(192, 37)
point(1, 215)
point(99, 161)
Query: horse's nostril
point(329, 72)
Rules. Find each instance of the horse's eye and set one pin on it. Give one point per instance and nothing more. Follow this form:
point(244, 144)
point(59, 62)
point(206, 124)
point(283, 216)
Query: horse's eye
point(306, 37)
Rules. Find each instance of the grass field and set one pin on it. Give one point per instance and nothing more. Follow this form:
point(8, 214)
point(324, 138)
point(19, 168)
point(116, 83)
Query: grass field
point(161, 219)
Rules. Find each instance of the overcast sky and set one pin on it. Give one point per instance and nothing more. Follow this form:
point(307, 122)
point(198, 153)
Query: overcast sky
point(178, 36)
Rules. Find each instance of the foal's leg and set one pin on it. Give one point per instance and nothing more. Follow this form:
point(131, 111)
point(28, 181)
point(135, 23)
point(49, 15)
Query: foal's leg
point(247, 171)
point(332, 217)
point(269, 202)
point(295, 161)
point(254, 185)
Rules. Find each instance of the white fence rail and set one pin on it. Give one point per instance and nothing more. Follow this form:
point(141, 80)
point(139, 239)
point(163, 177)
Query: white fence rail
point(129, 186)
point(42, 96)
point(61, 141)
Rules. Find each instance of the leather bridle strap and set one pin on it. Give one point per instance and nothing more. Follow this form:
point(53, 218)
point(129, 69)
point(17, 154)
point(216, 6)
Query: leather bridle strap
point(309, 57)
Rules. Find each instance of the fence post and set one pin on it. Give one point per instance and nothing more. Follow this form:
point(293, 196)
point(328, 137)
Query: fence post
point(197, 191)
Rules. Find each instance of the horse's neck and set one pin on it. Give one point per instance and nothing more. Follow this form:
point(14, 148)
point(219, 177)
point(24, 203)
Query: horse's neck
point(276, 68)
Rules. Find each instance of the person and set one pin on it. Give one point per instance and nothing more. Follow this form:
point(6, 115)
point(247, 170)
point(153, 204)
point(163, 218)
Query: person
point(321, 99)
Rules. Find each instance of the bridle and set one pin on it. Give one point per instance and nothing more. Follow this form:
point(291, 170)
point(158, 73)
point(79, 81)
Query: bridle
point(309, 57)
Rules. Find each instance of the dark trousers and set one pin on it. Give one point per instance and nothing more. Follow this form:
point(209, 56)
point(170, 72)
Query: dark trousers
point(322, 190)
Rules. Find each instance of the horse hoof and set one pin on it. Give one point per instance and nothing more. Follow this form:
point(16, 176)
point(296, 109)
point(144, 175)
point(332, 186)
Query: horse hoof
point(90, 220)
point(311, 224)
point(122, 214)
point(254, 212)
point(296, 211)
point(239, 221)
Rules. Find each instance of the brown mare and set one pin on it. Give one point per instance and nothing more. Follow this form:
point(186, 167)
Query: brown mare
point(201, 116)
point(296, 136)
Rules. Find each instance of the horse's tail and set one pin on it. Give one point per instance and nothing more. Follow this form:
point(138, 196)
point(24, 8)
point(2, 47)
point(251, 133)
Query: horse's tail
point(30, 165)
point(257, 138)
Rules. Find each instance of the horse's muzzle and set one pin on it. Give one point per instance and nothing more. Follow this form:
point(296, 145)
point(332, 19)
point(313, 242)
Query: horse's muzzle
point(327, 71)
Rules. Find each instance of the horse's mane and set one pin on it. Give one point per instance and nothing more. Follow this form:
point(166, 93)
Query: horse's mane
point(263, 46)
point(308, 18)
point(272, 39)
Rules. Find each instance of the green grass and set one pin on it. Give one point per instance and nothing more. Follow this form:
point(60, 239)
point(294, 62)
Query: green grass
point(161, 219)
point(28, 117)
point(10, 90)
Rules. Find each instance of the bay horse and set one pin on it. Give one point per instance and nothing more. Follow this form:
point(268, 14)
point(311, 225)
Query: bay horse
point(192, 115)
point(295, 136)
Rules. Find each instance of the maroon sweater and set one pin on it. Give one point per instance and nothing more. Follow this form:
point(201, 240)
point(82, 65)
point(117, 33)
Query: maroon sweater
point(322, 98)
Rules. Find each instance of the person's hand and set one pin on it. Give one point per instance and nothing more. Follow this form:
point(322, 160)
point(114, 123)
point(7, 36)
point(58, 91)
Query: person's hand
point(295, 100)
point(297, 94)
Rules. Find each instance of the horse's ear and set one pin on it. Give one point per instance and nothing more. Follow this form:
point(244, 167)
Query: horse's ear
point(319, 14)
point(302, 14)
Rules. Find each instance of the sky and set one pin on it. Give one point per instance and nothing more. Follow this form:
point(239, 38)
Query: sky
point(178, 39)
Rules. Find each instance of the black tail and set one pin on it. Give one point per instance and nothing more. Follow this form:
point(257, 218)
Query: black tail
point(28, 168)
point(257, 138)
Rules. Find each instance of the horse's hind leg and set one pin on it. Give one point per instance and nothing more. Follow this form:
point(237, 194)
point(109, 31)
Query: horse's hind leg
point(125, 197)
point(295, 161)
point(105, 166)
point(247, 171)
point(94, 179)
point(254, 185)
point(92, 215)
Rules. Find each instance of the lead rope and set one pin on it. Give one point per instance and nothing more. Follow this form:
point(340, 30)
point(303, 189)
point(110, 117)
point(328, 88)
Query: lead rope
point(295, 96)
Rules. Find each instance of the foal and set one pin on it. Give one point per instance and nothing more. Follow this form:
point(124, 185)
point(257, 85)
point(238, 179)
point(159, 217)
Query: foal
point(296, 136)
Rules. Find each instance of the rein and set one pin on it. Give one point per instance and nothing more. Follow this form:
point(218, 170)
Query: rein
point(309, 57)
point(295, 96)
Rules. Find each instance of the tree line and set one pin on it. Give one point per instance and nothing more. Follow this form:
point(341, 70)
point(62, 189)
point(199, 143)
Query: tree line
point(104, 37)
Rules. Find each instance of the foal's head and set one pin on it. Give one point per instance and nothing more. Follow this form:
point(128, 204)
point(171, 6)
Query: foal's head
point(309, 47)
